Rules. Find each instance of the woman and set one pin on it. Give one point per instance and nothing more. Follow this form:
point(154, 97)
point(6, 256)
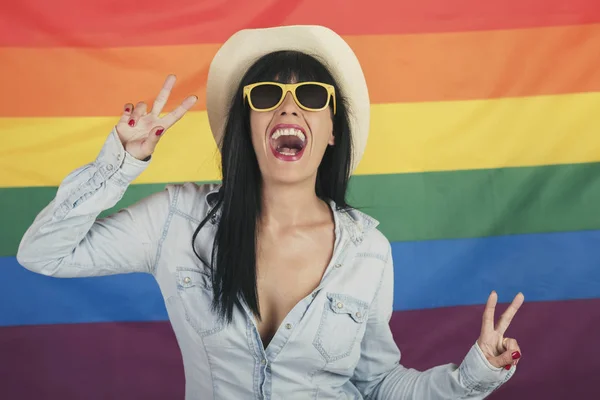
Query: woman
point(274, 286)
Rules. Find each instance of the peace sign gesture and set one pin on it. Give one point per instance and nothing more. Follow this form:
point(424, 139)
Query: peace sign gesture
point(140, 130)
point(499, 351)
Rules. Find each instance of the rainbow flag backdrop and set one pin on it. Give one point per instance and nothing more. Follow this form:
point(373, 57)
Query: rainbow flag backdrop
point(483, 166)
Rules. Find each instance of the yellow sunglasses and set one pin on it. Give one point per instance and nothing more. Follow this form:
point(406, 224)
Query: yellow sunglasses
point(310, 96)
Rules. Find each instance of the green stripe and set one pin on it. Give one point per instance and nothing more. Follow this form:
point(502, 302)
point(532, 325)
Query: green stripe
point(21, 205)
point(422, 206)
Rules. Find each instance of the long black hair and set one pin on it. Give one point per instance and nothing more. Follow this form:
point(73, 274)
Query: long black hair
point(238, 203)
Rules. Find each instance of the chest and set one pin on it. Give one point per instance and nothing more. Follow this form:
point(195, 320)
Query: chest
point(300, 331)
point(289, 268)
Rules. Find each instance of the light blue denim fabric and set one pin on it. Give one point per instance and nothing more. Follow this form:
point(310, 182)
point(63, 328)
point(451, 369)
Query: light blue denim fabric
point(335, 344)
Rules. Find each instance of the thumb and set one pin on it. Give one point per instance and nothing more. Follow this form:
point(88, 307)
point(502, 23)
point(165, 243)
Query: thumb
point(152, 140)
point(503, 359)
point(510, 356)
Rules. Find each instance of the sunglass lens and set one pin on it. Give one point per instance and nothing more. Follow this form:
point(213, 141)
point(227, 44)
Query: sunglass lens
point(312, 96)
point(265, 96)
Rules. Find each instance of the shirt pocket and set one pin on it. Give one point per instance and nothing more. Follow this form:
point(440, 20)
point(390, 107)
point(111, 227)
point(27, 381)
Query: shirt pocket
point(342, 319)
point(194, 288)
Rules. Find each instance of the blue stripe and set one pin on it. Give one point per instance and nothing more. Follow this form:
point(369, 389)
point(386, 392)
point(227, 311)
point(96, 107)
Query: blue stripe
point(429, 274)
point(27, 298)
point(545, 267)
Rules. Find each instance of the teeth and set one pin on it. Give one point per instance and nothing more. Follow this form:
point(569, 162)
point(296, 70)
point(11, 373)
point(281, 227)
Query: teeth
point(288, 132)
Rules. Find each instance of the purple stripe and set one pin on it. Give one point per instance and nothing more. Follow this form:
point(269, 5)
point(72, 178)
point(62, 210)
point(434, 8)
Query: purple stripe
point(91, 361)
point(141, 360)
point(559, 341)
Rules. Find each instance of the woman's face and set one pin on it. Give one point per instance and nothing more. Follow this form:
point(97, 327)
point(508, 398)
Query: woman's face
point(290, 142)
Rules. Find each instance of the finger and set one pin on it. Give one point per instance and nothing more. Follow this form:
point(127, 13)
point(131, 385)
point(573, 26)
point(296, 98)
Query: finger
point(163, 95)
point(138, 112)
point(127, 109)
point(175, 115)
point(487, 323)
point(509, 314)
point(152, 140)
point(511, 355)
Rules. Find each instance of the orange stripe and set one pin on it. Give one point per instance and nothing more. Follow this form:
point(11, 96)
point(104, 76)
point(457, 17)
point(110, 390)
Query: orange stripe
point(399, 68)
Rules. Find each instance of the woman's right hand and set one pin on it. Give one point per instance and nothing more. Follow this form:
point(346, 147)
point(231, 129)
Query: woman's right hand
point(140, 130)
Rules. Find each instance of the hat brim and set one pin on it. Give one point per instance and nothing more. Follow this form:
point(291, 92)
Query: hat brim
point(245, 47)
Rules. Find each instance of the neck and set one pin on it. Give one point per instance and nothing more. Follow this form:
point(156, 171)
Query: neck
point(285, 205)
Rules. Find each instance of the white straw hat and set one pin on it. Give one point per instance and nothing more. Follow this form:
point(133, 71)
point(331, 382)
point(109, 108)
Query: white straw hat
point(245, 47)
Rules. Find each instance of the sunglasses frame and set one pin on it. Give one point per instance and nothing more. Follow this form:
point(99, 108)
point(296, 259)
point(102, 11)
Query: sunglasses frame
point(290, 87)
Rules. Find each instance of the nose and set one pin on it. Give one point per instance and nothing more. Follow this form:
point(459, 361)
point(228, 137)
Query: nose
point(289, 106)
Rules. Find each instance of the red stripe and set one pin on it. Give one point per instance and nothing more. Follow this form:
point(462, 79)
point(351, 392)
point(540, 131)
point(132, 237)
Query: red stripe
point(107, 23)
point(141, 360)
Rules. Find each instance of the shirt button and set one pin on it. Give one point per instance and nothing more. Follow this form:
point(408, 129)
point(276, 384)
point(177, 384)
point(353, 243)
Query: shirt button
point(314, 295)
point(340, 305)
point(358, 315)
point(338, 265)
point(109, 167)
point(288, 326)
point(187, 279)
point(263, 361)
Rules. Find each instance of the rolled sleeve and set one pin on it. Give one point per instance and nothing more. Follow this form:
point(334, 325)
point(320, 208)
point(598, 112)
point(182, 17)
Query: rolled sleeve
point(116, 163)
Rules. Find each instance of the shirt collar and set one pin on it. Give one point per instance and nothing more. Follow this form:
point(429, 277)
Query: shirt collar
point(355, 223)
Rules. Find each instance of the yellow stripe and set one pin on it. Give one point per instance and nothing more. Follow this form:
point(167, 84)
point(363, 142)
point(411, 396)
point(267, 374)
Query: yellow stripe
point(411, 137)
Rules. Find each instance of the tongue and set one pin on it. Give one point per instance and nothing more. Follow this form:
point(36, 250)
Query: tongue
point(288, 144)
point(287, 150)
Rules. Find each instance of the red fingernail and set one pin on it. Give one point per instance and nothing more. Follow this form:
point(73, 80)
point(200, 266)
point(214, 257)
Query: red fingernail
point(127, 109)
point(516, 355)
point(507, 367)
point(159, 132)
point(131, 122)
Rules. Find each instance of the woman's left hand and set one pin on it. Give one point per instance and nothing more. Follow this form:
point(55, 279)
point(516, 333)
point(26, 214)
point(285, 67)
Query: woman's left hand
point(500, 351)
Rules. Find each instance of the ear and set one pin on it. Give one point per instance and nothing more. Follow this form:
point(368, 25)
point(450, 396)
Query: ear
point(331, 140)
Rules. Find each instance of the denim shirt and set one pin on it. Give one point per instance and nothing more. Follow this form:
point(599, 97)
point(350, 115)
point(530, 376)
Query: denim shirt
point(335, 343)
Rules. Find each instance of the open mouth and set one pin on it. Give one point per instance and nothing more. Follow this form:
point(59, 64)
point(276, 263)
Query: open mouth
point(288, 143)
